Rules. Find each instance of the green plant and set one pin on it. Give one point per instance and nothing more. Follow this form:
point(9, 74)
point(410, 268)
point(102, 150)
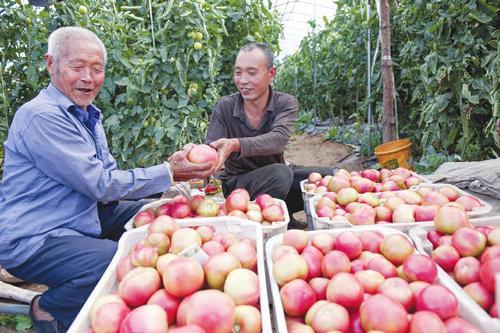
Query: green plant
point(446, 60)
point(149, 104)
point(431, 160)
point(18, 322)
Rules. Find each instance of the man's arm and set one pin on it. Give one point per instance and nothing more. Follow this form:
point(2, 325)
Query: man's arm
point(59, 151)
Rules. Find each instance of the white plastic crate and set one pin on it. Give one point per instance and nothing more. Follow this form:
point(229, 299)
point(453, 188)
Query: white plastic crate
point(268, 231)
point(311, 223)
point(279, 314)
point(484, 209)
point(307, 195)
point(466, 310)
point(473, 311)
point(224, 224)
point(326, 223)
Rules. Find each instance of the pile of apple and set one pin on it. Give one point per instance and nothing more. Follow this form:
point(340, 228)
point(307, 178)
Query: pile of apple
point(264, 209)
point(369, 180)
point(404, 206)
point(160, 289)
point(470, 255)
point(361, 282)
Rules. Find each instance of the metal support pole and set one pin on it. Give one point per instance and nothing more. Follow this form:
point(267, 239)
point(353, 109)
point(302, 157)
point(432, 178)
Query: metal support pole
point(368, 77)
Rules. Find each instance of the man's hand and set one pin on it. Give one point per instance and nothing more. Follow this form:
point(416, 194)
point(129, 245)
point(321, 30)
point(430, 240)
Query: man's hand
point(185, 170)
point(225, 147)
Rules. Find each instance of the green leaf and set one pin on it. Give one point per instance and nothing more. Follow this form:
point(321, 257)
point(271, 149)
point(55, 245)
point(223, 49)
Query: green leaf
point(480, 16)
point(23, 323)
point(474, 99)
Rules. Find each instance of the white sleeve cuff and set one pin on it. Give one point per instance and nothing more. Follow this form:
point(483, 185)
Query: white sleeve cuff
point(170, 172)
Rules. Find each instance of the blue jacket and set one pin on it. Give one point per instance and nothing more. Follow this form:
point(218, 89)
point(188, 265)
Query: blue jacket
point(55, 172)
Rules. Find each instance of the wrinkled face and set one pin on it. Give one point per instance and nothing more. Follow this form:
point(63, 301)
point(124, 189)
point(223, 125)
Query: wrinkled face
point(79, 72)
point(252, 75)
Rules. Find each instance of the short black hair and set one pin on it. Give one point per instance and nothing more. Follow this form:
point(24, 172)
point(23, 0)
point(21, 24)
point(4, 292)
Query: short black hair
point(264, 48)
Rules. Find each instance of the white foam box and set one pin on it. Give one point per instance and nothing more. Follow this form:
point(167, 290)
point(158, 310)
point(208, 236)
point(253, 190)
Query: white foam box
point(268, 231)
point(472, 311)
point(224, 224)
point(308, 195)
point(466, 309)
point(326, 223)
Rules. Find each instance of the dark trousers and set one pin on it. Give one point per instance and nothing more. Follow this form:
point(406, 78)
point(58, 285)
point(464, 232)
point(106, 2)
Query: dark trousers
point(277, 180)
point(71, 266)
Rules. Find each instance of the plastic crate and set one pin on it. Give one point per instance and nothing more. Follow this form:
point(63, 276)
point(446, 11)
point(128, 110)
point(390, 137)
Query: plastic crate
point(268, 231)
point(326, 223)
point(224, 224)
point(307, 195)
point(475, 313)
point(466, 309)
point(484, 209)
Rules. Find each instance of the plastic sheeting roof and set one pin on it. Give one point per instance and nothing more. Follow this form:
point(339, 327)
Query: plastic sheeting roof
point(295, 15)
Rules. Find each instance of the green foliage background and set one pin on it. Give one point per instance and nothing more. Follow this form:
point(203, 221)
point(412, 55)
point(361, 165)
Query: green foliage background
point(159, 90)
point(446, 67)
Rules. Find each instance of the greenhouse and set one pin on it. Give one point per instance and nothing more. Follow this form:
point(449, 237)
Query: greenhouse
point(199, 166)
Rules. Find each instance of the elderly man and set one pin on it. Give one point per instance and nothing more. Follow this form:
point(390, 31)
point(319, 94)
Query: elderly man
point(61, 199)
point(251, 129)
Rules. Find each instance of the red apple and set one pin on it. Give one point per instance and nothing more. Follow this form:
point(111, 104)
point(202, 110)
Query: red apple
point(183, 276)
point(218, 267)
point(399, 290)
point(468, 242)
point(371, 240)
point(138, 285)
point(289, 267)
point(313, 258)
point(419, 267)
point(202, 154)
point(396, 248)
point(167, 302)
point(247, 319)
point(487, 273)
point(466, 270)
point(146, 318)
point(370, 279)
point(330, 317)
point(180, 210)
point(319, 285)
point(379, 312)
point(469, 202)
point(213, 319)
point(349, 243)
point(334, 262)
point(448, 219)
point(446, 257)
point(425, 322)
point(143, 218)
point(480, 294)
point(459, 325)
point(264, 200)
point(297, 297)
point(249, 295)
point(345, 289)
point(439, 300)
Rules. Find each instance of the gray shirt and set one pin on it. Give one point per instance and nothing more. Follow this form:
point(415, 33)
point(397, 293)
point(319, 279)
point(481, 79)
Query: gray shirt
point(259, 146)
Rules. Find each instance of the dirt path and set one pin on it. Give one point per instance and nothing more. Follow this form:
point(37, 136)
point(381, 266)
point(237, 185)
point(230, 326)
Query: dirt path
point(307, 150)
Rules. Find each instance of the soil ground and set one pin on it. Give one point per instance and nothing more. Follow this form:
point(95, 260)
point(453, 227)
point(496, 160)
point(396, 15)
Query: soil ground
point(304, 150)
point(308, 150)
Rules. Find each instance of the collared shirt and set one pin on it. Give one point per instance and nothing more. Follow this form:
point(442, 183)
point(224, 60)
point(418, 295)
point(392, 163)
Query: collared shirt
point(55, 172)
point(89, 118)
point(259, 146)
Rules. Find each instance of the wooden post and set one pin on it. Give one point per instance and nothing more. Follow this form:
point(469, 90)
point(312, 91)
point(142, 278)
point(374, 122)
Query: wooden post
point(388, 130)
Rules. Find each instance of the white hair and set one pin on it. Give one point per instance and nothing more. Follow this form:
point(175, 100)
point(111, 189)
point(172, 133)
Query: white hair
point(61, 38)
